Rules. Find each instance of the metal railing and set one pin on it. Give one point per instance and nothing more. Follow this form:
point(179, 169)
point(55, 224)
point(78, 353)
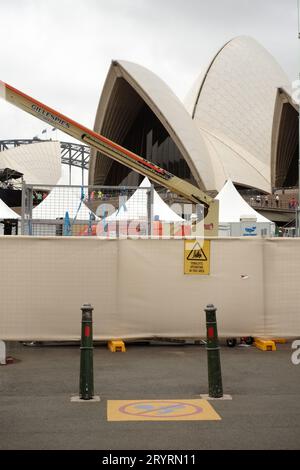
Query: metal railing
point(286, 204)
point(105, 211)
point(84, 210)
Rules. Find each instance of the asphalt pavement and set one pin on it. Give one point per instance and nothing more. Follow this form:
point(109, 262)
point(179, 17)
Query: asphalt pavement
point(36, 411)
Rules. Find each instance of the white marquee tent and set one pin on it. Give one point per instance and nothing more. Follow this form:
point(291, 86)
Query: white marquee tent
point(135, 208)
point(234, 212)
point(6, 212)
point(59, 201)
point(232, 207)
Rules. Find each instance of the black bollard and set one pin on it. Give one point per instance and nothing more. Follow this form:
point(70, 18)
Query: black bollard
point(86, 385)
point(215, 389)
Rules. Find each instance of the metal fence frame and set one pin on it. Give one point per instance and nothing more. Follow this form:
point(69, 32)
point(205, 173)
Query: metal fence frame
point(27, 220)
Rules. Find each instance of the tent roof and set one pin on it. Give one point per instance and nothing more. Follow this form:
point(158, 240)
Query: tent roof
point(135, 207)
point(59, 201)
point(6, 212)
point(232, 206)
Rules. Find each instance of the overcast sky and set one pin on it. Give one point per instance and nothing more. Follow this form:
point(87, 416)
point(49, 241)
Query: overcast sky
point(59, 51)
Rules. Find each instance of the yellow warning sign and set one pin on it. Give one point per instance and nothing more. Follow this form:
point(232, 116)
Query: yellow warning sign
point(160, 410)
point(196, 256)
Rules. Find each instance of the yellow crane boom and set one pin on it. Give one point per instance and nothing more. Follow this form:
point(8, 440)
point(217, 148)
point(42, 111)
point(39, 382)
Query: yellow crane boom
point(116, 152)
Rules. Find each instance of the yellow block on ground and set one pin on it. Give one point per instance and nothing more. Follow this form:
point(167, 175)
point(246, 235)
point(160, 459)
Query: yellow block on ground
point(265, 344)
point(160, 410)
point(116, 346)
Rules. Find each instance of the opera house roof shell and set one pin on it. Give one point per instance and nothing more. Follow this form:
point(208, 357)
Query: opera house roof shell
point(40, 163)
point(233, 124)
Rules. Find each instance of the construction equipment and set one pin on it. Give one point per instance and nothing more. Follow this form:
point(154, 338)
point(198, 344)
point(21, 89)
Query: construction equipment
point(116, 152)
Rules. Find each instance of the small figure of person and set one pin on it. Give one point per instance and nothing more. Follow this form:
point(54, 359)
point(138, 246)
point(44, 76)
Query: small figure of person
point(258, 199)
point(294, 203)
point(7, 227)
point(266, 200)
point(277, 200)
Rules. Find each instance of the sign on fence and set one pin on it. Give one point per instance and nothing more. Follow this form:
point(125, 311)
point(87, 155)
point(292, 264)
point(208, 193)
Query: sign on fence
point(196, 257)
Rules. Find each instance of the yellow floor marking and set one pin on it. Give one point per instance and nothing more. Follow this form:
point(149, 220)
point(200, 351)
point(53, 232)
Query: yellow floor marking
point(160, 410)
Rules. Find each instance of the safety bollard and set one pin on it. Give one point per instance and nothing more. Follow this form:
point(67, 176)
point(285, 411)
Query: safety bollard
point(86, 385)
point(215, 389)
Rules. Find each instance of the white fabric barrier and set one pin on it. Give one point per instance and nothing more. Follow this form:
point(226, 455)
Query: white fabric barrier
point(282, 292)
point(138, 288)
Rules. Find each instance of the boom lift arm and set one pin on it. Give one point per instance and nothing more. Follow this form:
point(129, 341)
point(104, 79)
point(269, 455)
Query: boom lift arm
point(116, 152)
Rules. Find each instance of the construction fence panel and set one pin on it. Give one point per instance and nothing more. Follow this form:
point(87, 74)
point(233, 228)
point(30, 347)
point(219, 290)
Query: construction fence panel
point(156, 295)
point(85, 210)
point(139, 290)
point(107, 212)
point(282, 286)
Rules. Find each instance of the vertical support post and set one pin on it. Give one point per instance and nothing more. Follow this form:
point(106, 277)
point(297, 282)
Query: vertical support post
point(86, 383)
point(70, 166)
point(150, 198)
point(82, 166)
point(23, 207)
point(28, 205)
point(298, 206)
point(215, 388)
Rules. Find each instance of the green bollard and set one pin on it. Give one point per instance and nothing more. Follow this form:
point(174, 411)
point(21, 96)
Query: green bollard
point(215, 388)
point(86, 385)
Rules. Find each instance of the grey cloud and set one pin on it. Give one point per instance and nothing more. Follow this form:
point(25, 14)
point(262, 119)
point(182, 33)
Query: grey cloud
point(60, 51)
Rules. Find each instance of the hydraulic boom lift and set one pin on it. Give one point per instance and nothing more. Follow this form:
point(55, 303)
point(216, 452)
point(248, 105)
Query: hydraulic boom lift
point(116, 152)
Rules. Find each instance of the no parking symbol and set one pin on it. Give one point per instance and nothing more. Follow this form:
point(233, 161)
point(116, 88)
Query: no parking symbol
point(160, 410)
